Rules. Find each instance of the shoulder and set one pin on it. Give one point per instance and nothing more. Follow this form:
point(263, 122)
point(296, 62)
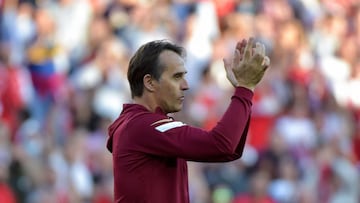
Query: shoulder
point(140, 120)
point(150, 120)
point(154, 123)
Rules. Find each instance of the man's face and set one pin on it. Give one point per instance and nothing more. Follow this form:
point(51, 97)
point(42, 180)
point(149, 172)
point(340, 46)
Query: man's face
point(172, 84)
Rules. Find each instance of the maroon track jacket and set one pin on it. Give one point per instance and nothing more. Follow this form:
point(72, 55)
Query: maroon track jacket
point(150, 150)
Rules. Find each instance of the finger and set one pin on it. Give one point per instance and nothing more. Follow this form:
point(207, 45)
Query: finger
point(229, 72)
point(241, 45)
point(257, 49)
point(248, 48)
point(237, 58)
point(266, 62)
point(259, 59)
point(260, 48)
point(238, 45)
point(263, 49)
point(242, 48)
point(227, 64)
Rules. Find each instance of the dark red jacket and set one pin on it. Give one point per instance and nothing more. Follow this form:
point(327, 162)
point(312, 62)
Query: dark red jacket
point(150, 150)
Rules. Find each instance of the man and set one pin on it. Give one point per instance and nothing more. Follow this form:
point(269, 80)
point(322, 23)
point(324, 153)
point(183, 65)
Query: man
point(150, 149)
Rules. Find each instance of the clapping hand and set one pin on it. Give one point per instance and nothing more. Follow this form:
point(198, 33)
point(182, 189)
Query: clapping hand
point(248, 65)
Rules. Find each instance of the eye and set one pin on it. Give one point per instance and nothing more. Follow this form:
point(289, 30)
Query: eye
point(178, 75)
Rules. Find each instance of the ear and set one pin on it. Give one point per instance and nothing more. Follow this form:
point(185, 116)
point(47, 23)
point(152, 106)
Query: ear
point(149, 83)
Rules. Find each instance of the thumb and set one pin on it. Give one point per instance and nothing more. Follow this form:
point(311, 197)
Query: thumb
point(229, 72)
point(266, 62)
point(227, 64)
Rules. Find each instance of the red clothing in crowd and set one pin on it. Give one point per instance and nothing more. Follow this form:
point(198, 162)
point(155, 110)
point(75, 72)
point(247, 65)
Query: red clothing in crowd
point(11, 99)
point(6, 194)
point(150, 150)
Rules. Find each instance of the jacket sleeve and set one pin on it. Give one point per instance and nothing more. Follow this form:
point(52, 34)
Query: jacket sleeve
point(225, 142)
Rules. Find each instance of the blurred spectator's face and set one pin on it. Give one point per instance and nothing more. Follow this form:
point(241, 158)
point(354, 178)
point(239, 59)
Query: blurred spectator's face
point(44, 23)
point(338, 25)
point(3, 173)
point(241, 25)
point(264, 26)
point(277, 144)
point(279, 10)
point(65, 2)
point(290, 36)
point(288, 169)
point(4, 53)
point(128, 2)
point(25, 9)
point(98, 31)
point(260, 183)
point(348, 50)
point(110, 54)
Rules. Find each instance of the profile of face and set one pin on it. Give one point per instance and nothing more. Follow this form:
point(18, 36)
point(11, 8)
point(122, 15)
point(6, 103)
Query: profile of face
point(169, 90)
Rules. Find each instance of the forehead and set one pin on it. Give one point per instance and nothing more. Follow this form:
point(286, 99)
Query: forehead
point(172, 62)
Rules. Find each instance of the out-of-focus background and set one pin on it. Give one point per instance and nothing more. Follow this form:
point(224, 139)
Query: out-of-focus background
point(63, 80)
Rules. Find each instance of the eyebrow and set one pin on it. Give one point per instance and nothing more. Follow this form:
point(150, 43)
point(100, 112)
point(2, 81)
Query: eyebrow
point(182, 73)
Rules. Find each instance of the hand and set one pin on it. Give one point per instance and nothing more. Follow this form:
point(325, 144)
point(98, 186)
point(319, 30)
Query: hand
point(228, 65)
point(249, 64)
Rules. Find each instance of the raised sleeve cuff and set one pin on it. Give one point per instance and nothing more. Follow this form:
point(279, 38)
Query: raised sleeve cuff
point(243, 92)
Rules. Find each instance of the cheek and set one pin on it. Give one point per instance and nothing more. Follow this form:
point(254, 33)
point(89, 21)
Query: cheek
point(169, 92)
point(170, 87)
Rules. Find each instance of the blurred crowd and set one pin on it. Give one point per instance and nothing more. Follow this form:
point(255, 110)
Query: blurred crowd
point(63, 67)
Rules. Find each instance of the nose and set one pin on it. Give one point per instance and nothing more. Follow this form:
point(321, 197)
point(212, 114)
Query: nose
point(184, 85)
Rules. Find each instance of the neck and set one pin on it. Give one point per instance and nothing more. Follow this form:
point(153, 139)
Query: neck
point(147, 101)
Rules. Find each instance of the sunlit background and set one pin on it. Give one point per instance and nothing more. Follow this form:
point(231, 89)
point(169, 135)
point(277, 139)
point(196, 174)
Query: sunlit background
point(63, 67)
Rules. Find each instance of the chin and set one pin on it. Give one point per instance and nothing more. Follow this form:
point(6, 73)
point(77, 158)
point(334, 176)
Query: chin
point(174, 110)
point(179, 108)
